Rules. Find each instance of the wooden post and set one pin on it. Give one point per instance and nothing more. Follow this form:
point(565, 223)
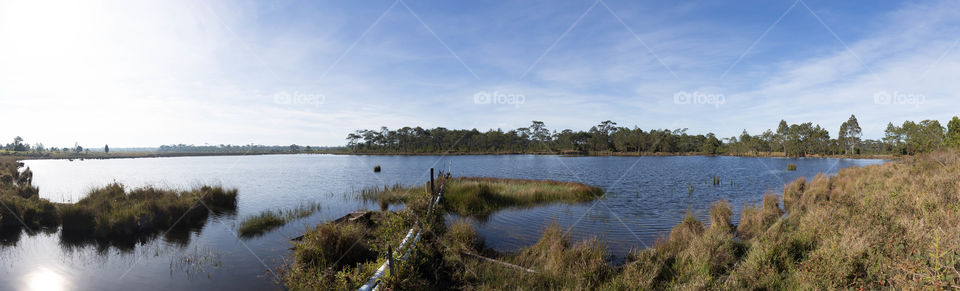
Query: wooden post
point(390, 259)
point(431, 182)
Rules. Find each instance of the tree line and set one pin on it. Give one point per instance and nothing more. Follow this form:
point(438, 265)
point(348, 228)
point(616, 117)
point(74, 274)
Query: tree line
point(795, 140)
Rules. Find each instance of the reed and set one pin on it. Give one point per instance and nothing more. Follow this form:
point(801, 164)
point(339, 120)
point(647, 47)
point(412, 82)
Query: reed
point(256, 225)
point(114, 212)
point(482, 196)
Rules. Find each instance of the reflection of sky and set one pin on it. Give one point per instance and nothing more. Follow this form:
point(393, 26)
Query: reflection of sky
point(46, 279)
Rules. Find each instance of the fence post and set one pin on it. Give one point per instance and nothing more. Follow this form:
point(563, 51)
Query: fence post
point(390, 259)
point(431, 181)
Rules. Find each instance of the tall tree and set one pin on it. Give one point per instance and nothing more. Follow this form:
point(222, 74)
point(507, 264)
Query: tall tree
point(782, 131)
point(852, 133)
point(953, 132)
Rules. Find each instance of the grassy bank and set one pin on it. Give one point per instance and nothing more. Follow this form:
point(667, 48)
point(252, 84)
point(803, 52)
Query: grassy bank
point(892, 226)
point(483, 196)
point(21, 202)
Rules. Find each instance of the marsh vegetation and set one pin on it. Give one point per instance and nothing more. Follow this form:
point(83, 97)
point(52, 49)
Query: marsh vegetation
point(256, 225)
point(111, 213)
point(894, 225)
point(481, 196)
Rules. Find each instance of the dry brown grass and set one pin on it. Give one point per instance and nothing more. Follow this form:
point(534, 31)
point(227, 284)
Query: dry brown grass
point(894, 225)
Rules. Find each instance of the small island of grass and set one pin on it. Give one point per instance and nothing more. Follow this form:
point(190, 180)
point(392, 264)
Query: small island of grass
point(256, 225)
point(481, 196)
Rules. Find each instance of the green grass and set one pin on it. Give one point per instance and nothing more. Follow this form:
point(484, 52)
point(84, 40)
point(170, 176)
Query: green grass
point(22, 203)
point(483, 196)
point(791, 167)
point(256, 225)
point(113, 211)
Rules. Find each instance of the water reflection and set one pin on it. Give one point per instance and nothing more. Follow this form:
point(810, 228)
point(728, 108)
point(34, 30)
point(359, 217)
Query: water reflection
point(45, 279)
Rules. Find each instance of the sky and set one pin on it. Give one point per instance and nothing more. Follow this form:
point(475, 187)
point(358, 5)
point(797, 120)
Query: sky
point(147, 73)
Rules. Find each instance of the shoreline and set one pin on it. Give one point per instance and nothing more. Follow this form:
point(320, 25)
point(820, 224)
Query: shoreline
point(135, 155)
point(621, 154)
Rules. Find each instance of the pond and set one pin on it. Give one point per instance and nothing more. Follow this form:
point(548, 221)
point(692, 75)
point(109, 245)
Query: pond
point(645, 197)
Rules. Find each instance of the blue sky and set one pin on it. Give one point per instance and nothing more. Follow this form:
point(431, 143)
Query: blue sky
point(309, 72)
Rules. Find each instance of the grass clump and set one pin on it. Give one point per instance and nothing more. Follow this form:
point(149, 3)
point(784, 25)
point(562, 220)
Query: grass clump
point(390, 195)
point(256, 225)
point(22, 203)
point(550, 264)
point(791, 167)
point(113, 212)
point(342, 254)
point(482, 196)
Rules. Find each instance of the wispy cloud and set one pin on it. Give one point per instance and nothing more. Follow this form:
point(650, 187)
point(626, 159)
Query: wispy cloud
point(142, 74)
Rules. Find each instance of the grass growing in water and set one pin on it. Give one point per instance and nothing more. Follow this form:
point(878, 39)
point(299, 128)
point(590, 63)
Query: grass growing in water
point(483, 196)
point(113, 212)
point(256, 225)
point(21, 201)
point(791, 167)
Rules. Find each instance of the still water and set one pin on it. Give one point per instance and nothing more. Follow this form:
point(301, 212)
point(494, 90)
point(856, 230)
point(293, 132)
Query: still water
point(645, 197)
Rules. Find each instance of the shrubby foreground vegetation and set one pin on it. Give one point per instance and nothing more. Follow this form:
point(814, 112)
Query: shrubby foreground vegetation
point(795, 140)
point(894, 225)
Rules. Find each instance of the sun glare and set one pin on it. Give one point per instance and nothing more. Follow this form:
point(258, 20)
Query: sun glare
point(45, 279)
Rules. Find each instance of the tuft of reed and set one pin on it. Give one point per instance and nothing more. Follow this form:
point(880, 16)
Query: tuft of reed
point(22, 205)
point(376, 169)
point(482, 196)
point(256, 225)
point(791, 167)
point(113, 212)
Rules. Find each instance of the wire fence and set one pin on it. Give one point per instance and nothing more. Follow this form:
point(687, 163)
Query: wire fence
point(407, 245)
